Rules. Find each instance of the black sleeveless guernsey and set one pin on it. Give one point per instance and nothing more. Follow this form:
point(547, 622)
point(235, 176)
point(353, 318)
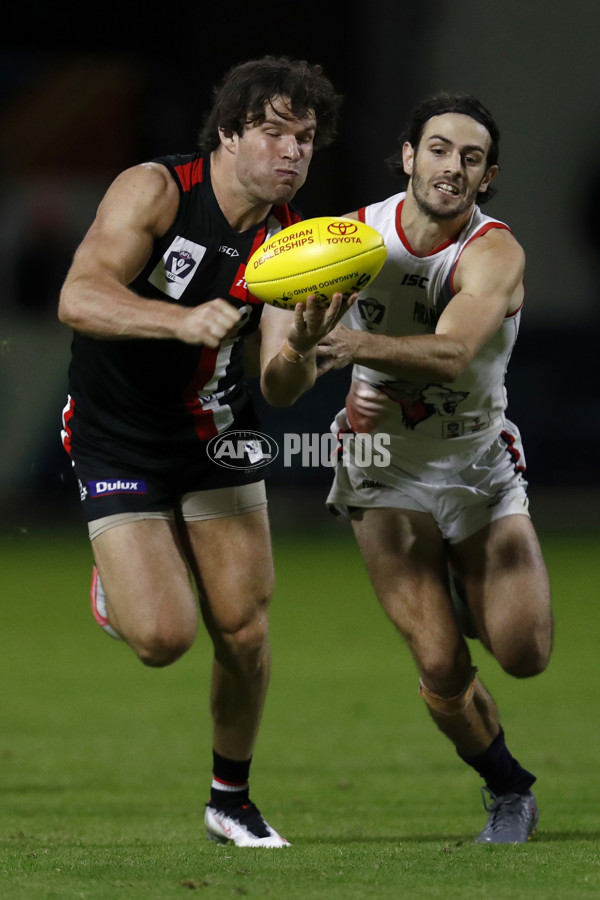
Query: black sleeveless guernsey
point(156, 403)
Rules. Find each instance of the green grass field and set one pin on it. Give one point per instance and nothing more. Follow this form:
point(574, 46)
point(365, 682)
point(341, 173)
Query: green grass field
point(105, 765)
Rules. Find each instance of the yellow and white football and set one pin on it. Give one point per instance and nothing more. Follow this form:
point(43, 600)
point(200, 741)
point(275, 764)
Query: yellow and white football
point(317, 256)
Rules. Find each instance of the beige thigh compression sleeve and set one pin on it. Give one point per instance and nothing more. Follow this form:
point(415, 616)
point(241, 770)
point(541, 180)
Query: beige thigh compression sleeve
point(97, 526)
point(229, 501)
point(195, 506)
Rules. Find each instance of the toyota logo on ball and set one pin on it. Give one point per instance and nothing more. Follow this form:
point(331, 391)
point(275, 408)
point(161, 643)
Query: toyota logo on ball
point(242, 450)
point(342, 228)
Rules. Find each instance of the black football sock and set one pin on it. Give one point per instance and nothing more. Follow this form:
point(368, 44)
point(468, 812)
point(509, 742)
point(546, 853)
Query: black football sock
point(230, 782)
point(502, 773)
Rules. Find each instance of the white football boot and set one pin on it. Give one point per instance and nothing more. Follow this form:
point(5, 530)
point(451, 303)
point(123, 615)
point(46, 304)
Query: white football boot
point(243, 825)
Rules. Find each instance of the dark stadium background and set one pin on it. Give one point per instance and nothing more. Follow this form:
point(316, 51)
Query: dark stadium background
point(85, 93)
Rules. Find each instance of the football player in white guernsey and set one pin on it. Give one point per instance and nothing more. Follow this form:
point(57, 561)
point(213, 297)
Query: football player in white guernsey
point(444, 528)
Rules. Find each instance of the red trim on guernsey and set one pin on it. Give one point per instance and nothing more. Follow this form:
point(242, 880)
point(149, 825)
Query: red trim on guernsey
point(405, 241)
point(190, 173)
point(483, 230)
point(290, 219)
point(361, 214)
point(515, 455)
point(67, 432)
point(286, 217)
point(239, 288)
point(515, 311)
point(241, 291)
point(203, 418)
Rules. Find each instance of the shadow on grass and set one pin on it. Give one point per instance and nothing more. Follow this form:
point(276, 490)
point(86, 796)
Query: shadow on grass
point(456, 840)
point(546, 837)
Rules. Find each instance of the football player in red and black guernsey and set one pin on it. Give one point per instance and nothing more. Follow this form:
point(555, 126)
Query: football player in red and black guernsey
point(159, 308)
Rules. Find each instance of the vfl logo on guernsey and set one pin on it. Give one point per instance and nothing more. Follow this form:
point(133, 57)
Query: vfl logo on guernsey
point(116, 486)
point(371, 312)
point(174, 271)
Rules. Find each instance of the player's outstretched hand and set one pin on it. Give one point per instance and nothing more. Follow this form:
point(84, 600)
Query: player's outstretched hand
point(208, 323)
point(313, 322)
point(335, 349)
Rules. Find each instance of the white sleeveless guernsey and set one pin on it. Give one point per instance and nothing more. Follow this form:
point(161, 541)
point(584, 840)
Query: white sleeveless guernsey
point(435, 429)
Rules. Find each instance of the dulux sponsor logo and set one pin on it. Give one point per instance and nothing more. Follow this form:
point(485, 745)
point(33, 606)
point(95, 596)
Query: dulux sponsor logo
point(118, 486)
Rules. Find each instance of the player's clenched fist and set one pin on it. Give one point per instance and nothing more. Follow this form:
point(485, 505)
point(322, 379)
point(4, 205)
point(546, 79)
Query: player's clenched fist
point(208, 323)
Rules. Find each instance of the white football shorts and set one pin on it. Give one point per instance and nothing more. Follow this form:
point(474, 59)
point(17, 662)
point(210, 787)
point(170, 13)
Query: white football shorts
point(490, 488)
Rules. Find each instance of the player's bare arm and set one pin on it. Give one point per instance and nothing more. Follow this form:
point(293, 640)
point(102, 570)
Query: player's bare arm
point(488, 283)
point(288, 346)
point(137, 208)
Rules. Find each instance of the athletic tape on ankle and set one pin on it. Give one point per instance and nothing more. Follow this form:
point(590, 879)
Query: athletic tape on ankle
point(450, 706)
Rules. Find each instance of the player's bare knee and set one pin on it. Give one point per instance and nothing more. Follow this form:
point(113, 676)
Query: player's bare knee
point(450, 686)
point(445, 672)
point(527, 657)
point(159, 654)
point(159, 648)
point(249, 637)
point(526, 664)
point(242, 644)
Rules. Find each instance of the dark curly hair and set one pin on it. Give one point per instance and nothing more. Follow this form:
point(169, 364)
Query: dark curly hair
point(241, 97)
point(438, 105)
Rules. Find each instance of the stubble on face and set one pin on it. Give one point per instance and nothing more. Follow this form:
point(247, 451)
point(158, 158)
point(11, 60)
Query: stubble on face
point(439, 209)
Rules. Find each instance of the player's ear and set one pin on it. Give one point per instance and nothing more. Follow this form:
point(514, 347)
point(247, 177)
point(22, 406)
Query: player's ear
point(408, 155)
point(228, 139)
point(489, 175)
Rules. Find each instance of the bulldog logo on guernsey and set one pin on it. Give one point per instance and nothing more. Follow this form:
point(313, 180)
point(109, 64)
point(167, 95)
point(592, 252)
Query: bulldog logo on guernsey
point(116, 486)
